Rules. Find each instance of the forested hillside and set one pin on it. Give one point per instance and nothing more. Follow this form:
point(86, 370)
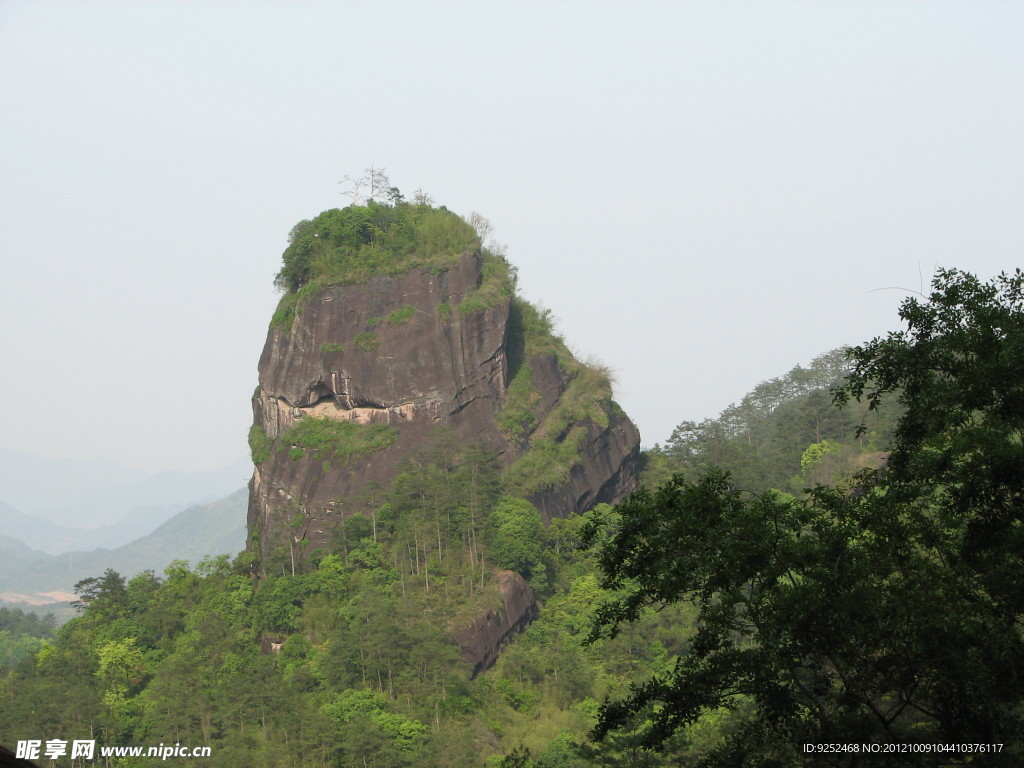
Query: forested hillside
point(872, 622)
point(351, 661)
point(416, 425)
point(365, 671)
point(786, 434)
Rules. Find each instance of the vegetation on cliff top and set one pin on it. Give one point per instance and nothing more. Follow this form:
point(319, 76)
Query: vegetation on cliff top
point(353, 244)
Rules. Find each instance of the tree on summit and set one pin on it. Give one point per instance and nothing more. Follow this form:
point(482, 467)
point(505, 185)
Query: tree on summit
point(889, 615)
point(376, 185)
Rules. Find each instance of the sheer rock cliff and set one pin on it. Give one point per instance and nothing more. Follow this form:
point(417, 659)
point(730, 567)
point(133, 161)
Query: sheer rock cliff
point(434, 368)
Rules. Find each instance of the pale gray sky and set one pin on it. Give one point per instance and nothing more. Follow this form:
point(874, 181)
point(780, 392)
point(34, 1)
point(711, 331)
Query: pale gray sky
point(705, 194)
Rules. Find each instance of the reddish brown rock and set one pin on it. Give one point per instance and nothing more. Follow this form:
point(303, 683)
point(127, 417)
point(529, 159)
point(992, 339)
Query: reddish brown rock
point(482, 640)
point(396, 350)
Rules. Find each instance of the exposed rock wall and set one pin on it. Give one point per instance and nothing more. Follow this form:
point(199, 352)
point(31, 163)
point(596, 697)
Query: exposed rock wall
point(396, 350)
point(433, 365)
point(481, 641)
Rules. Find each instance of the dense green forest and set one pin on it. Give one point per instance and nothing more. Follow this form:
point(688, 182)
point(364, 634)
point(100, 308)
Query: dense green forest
point(880, 612)
point(22, 634)
point(786, 434)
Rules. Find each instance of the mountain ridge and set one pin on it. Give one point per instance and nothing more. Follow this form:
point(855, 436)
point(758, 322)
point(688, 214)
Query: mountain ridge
point(214, 528)
point(109, 509)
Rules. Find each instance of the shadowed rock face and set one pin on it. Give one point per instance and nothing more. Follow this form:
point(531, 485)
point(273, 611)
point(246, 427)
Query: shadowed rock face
point(608, 472)
point(396, 351)
point(481, 641)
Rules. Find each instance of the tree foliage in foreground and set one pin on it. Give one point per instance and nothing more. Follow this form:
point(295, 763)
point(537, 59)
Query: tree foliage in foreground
point(889, 612)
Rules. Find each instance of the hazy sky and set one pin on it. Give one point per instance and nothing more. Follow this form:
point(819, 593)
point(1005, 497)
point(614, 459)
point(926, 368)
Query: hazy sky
point(705, 194)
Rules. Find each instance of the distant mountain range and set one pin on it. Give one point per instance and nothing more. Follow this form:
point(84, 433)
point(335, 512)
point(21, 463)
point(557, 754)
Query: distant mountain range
point(207, 529)
point(60, 505)
point(54, 538)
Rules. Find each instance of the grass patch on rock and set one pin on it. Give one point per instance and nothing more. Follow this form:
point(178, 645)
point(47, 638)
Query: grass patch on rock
point(259, 444)
point(336, 442)
point(497, 285)
point(367, 341)
point(401, 316)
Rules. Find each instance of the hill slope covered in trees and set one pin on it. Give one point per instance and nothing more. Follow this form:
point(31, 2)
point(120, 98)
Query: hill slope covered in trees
point(367, 669)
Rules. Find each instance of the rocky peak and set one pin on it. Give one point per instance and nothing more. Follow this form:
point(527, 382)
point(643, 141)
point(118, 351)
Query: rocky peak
point(356, 374)
point(374, 355)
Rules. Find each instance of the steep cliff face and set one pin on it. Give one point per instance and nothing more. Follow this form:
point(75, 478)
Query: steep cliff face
point(416, 360)
point(363, 373)
point(347, 357)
